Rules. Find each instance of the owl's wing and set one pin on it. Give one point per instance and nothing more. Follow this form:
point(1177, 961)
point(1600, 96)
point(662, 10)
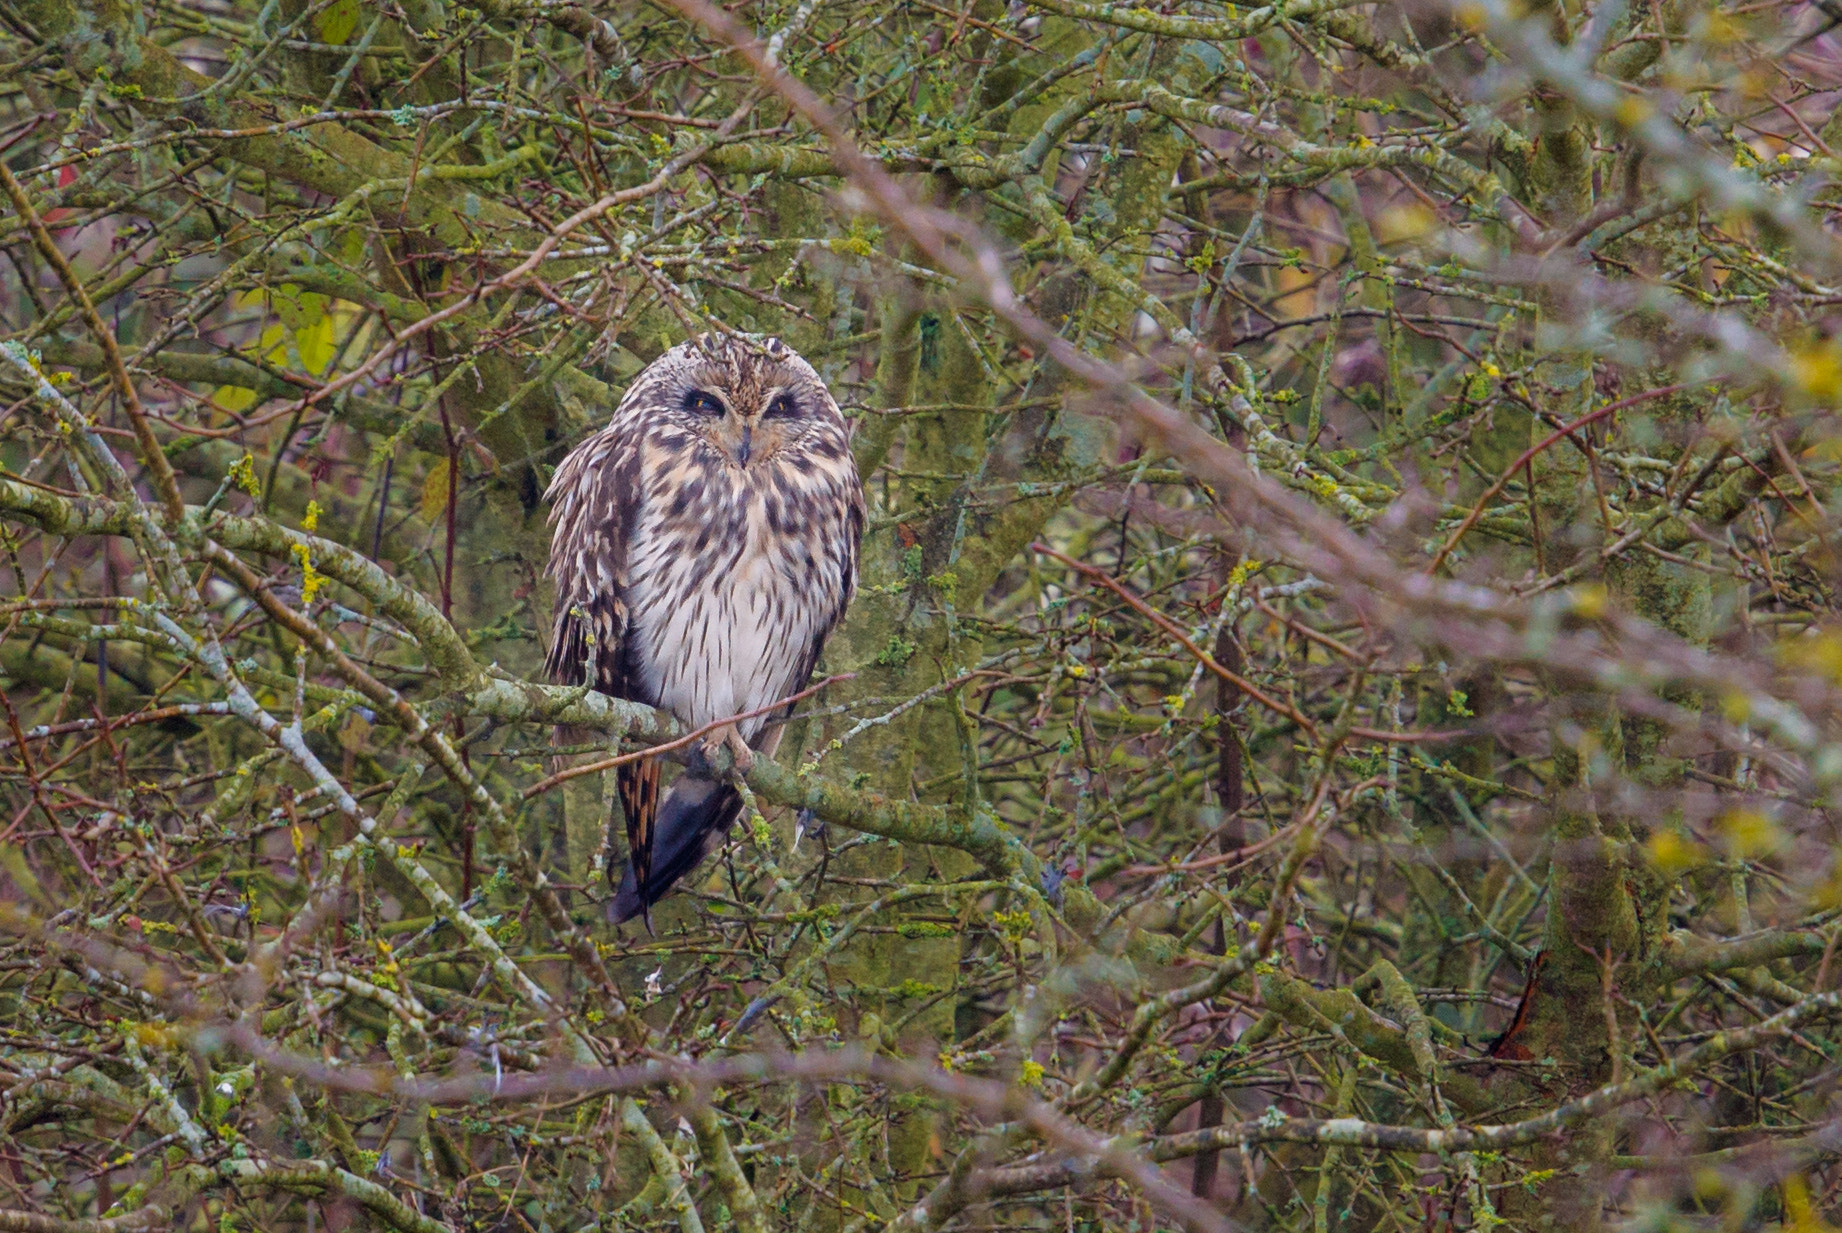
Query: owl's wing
point(847, 528)
point(594, 495)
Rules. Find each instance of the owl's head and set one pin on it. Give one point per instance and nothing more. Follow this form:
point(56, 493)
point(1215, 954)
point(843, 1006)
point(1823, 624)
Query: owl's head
point(750, 401)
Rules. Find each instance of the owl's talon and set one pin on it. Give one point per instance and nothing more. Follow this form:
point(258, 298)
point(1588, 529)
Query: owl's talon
point(727, 737)
point(738, 748)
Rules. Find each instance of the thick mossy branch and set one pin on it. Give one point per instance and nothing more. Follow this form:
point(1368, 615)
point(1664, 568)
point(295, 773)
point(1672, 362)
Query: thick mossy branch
point(1354, 1132)
point(509, 700)
point(1344, 1014)
point(980, 834)
point(1690, 955)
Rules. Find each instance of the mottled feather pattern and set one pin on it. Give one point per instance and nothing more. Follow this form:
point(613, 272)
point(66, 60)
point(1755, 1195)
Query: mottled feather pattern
point(705, 546)
point(639, 805)
point(732, 580)
point(592, 492)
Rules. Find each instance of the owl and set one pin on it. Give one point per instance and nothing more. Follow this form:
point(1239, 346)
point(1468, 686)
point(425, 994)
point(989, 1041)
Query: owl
point(704, 547)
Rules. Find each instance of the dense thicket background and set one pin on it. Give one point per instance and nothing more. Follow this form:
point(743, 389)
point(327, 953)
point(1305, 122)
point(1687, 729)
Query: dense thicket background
point(1337, 731)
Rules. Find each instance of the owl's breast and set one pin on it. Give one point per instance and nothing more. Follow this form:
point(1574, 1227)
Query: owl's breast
point(734, 576)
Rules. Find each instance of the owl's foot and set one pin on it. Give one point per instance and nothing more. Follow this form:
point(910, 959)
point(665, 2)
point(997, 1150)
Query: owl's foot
point(738, 748)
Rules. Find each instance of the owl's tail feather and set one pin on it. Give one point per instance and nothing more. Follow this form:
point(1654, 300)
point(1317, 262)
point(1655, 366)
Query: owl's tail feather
point(693, 819)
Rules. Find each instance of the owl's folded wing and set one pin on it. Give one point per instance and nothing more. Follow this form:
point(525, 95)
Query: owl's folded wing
point(593, 496)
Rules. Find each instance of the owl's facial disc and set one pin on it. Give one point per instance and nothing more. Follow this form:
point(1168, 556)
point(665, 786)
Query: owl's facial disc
point(747, 428)
point(780, 419)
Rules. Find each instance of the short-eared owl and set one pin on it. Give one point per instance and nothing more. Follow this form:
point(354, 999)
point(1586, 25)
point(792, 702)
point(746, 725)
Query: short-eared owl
point(705, 545)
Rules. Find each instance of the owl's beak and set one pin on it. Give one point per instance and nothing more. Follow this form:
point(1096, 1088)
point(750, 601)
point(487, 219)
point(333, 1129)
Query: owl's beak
point(748, 431)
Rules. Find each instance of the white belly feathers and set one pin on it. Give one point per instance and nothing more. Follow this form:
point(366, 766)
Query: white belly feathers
point(723, 627)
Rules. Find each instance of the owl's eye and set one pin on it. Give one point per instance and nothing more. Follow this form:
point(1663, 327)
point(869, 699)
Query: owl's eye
point(784, 407)
point(701, 402)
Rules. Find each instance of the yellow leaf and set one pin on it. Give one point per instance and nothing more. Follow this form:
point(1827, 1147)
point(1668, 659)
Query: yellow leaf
point(352, 735)
point(13, 862)
point(274, 344)
point(234, 398)
point(1817, 370)
point(435, 493)
point(316, 346)
point(1404, 222)
point(1632, 110)
point(1719, 29)
point(1827, 894)
point(1673, 853)
point(1819, 651)
point(1750, 833)
point(1589, 601)
point(153, 1035)
point(297, 309)
point(1800, 1215)
point(1828, 449)
point(350, 245)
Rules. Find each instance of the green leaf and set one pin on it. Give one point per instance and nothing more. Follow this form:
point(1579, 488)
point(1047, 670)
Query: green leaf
point(337, 21)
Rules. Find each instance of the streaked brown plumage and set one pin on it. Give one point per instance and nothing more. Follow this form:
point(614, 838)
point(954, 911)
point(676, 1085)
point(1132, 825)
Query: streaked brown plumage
point(705, 546)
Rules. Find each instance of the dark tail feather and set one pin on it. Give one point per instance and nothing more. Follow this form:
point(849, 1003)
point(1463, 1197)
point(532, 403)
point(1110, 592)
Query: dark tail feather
point(693, 819)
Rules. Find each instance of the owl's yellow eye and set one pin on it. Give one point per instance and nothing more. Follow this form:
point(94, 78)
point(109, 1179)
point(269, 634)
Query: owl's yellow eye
point(701, 402)
point(782, 408)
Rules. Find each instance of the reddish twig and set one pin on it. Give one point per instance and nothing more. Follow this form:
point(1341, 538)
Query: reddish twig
point(651, 751)
point(1477, 511)
point(1234, 678)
